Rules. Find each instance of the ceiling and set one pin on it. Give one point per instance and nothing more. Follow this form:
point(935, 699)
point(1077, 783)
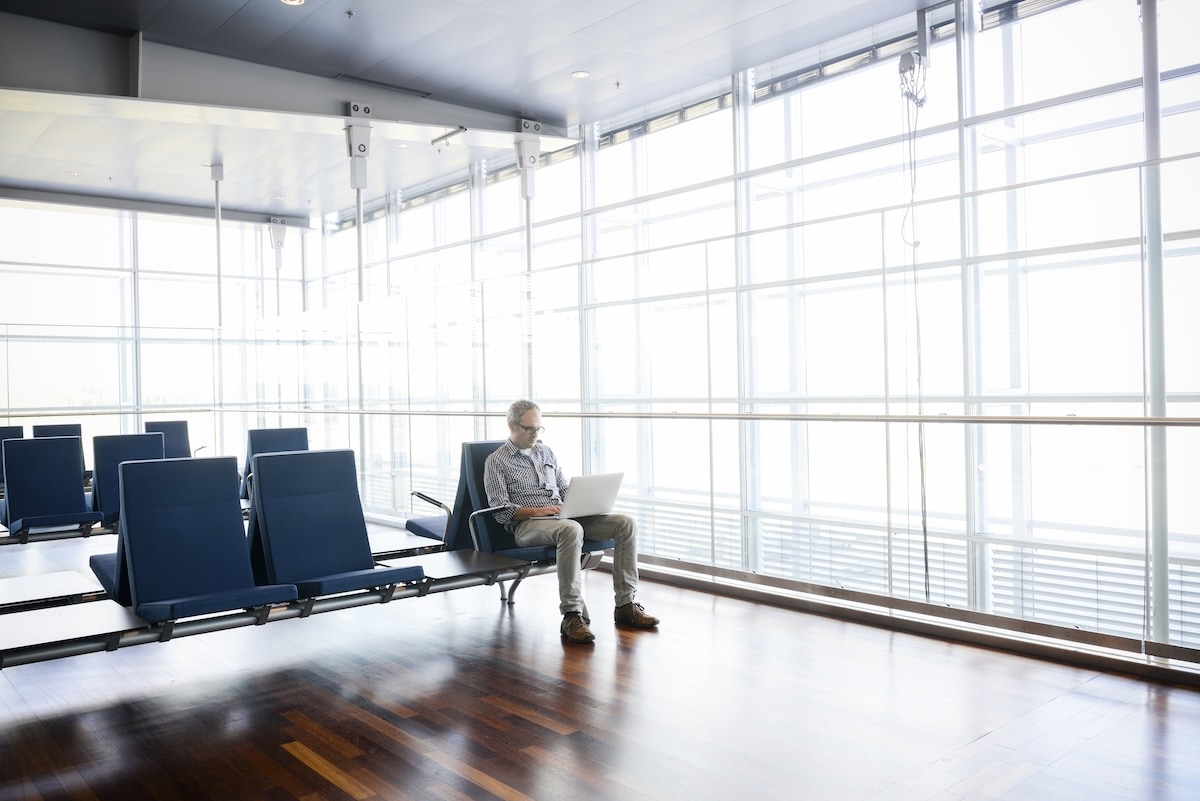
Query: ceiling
point(485, 65)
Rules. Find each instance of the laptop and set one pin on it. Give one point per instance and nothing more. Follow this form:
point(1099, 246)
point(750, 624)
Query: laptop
point(591, 495)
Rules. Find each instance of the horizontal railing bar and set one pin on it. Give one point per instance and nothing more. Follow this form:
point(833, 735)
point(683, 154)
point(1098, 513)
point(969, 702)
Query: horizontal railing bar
point(793, 417)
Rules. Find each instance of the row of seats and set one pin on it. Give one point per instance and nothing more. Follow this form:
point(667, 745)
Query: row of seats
point(45, 480)
point(175, 436)
point(186, 560)
point(184, 551)
point(49, 494)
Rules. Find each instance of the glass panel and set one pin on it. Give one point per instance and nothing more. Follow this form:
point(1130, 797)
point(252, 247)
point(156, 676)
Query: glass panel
point(665, 222)
point(504, 338)
point(1092, 344)
point(557, 189)
point(500, 255)
point(101, 362)
point(503, 205)
point(178, 368)
point(1181, 323)
point(166, 300)
point(1071, 48)
point(176, 244)
point(677, 155)
point(557, 244)
point(62, 235)
point(65, 296)
point(1181, 115)
point(1177, 26)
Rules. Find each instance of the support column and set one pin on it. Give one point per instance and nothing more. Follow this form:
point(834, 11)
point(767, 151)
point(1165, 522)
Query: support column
point(1156, 370)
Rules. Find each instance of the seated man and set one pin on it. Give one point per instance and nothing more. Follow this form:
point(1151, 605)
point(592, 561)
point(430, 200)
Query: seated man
point(524, 477)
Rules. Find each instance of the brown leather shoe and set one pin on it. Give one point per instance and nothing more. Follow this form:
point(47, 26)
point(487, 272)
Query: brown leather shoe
point(575, 628)
point(632, 614)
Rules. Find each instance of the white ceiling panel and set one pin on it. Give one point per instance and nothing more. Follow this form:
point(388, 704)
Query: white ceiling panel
point(507, 58)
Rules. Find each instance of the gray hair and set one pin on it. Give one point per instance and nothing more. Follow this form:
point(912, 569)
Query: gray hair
point(518, 409)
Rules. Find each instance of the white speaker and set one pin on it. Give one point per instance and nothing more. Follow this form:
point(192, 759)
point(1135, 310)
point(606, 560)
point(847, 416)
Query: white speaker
point(528, 151)
point(278, 227)
point(358, 139)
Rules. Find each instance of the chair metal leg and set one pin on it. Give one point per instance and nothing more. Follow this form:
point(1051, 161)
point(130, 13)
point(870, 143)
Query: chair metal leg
point(513, 590)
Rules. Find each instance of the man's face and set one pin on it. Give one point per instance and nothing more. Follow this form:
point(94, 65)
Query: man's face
point(526, 433)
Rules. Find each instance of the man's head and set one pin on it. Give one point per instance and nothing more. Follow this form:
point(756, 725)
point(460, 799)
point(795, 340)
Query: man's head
point(524, 423)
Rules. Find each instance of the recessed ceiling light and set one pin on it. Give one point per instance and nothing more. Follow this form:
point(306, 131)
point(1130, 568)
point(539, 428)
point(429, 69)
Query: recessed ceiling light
point(74, 172)
point(580, 74)
point(292, 2)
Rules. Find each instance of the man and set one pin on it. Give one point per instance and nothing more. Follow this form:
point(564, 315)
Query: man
point(524, 477)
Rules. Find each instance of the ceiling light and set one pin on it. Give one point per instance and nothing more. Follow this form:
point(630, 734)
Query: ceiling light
point(580, 74)
point(74, 172)
point(292, 2)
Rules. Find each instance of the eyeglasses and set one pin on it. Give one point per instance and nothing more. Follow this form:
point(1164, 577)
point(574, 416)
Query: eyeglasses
point(532, 429)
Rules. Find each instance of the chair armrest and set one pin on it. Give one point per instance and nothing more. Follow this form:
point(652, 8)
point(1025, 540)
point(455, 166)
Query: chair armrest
point(471, 522)
point(433, 501)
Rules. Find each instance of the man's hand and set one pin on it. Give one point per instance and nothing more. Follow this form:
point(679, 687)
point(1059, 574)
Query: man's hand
point(527, 512)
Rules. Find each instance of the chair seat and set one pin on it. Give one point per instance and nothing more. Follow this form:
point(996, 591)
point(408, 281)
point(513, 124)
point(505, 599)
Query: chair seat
point(104, 567)
point(208, 603)
point(432, 527)
point(76, 519)
point(357, 580)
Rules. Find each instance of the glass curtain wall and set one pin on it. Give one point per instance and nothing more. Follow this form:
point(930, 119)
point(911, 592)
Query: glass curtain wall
point(818, 238)
point(111, 318)
point(798, 309)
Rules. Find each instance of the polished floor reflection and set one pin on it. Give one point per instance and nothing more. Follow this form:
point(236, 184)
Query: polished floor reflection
point(456, 696)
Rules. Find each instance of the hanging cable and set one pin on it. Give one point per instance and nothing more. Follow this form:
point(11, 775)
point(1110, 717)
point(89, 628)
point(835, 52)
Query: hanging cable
point(912, 93)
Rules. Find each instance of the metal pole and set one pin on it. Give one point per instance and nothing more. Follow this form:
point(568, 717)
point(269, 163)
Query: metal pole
point(358, 216)
point(1156, 370)
point(218, 172)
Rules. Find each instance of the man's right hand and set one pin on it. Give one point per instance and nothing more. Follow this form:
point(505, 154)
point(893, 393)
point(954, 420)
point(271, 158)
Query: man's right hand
point(528, 512)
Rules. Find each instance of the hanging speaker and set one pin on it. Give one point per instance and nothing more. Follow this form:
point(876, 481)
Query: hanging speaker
point(358, 139)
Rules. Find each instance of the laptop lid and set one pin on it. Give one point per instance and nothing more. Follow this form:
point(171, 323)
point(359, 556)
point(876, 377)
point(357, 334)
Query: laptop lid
point(591, 495)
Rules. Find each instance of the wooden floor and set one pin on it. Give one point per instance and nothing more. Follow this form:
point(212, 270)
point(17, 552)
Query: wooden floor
point(457, 696)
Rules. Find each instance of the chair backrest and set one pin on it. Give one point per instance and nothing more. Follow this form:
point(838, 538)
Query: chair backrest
point(9, 432)
point(58, 430)
point(492, 536)
point(181, 528)
point(270, 440)
point(176, 444)
point(308, 516)
point(107, 454)
point(43, 476)
point(62, 430)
